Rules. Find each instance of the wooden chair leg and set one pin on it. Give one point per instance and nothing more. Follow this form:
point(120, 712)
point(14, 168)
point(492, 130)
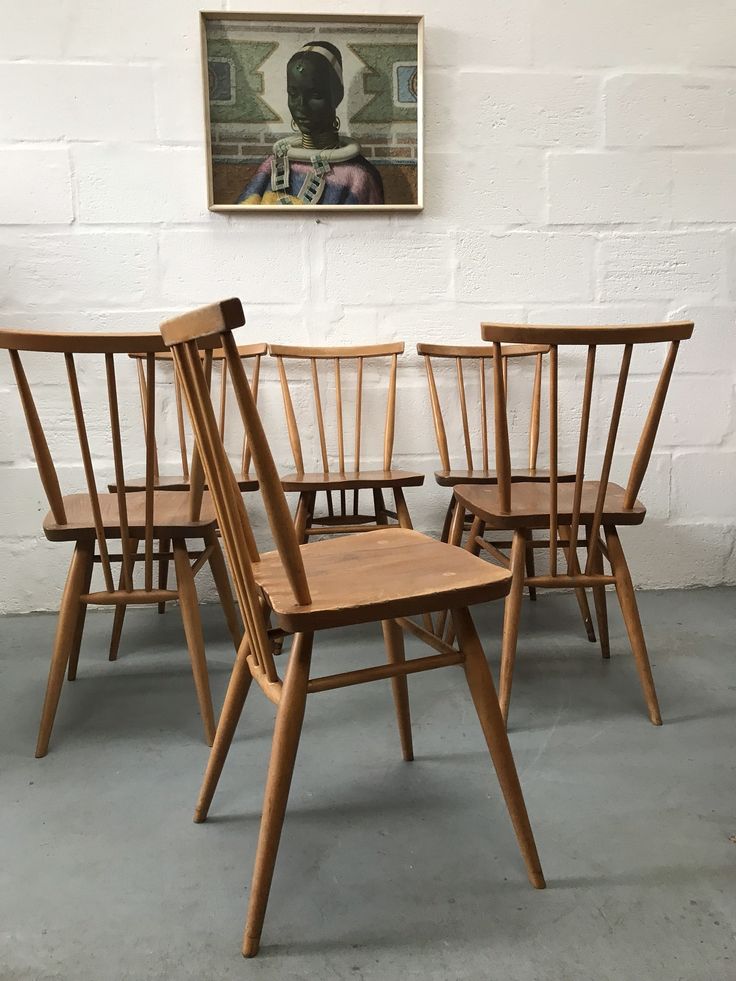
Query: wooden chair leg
point(630, 611)
point(300, 518)
point(445, 536)
point(224, 591)
point(530, 567)
point(189, 605)
point(66, 630)
point(120, 609)
point(393, 637)
point(77, 642)
point(511, 615)
point(483, 692)
point(601, 609)
point(237, 691)
point(283, 755)
point(164, 545)
point(379, 506)
point(455, 534)
point(477, 530)
point(402, 511)
point(580, 594)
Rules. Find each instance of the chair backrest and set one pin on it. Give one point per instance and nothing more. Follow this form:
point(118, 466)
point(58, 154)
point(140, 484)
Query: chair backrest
point(182, 334)
point(339, 359)
point(472, 360)
point(112, 349)
point(250, 354)
point(626, 337)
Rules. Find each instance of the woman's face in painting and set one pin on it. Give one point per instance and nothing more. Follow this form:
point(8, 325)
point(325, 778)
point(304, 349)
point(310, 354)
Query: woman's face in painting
point(310, 98)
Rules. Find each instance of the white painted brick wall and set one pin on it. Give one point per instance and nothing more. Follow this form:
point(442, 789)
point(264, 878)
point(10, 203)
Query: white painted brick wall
point(580, 167)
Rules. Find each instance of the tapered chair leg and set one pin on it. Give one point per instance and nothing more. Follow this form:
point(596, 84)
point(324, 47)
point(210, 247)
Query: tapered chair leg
point(237, 691)
point(120, 609)
point(393, 637)
point(530, 567)
point(189, 604)
point(486, 704)
point(445, 536)
point(304, 515)
point(283, 755)
point(77, 642)
point(66, 630)
point(457, 523)
point(222, 583)
point(164, 545)
point(630, 611)
point(402, 509)
point(511, 616)
point(580, 595)
point(379, 507)
point(601, 609)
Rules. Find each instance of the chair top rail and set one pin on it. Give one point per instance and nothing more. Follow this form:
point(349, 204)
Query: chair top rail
point(610, 334)
point(79, 342)
point(358, 351)
point(479, 350)
point(244, 350)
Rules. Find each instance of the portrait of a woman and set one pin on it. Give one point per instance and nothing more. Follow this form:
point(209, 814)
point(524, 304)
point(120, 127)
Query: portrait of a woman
point(318, 165)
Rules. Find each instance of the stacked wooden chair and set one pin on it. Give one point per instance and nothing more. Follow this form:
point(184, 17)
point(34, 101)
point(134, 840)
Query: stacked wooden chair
point(341, 472)
point(575, 514)
point(473, 362)
point(106, 529)
point(382, 576)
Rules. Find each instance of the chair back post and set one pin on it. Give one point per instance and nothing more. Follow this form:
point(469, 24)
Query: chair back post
point(501, 431)
point(437, 419)
point(389, 429)
point(536, 409)
point(181, 334)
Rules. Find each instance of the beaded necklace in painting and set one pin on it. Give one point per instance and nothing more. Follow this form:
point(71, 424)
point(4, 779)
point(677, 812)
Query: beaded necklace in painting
point(313, 187)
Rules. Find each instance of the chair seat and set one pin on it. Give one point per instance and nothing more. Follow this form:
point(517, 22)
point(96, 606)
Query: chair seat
point(170, 516)
point(530, 505)
point(378, 575)
point(176, 483)
point(351, 480)
point(450, 478)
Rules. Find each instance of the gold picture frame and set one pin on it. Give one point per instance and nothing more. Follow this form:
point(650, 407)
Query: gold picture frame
point(256, 67)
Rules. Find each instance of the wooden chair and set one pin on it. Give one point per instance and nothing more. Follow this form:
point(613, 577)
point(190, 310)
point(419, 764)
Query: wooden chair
point(309, 484)
point(93, 520)
point(564, 509)
point(385, 576)
point(472, 361)
point(181, 481)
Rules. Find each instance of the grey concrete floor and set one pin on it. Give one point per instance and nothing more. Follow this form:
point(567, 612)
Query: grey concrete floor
point(387, 870)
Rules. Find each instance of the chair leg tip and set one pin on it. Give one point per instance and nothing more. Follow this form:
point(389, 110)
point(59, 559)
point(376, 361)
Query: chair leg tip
point(537, 880)
point(41, 751)
point(200, 816)
point(656, 719)
point(250, 946)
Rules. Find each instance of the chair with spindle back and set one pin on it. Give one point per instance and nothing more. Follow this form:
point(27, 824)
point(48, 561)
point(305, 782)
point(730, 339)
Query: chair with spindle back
point(249, 353)
point(565, 509)
point(93, 520)
point(341, 480)
point(470, 362)
point(385, 576)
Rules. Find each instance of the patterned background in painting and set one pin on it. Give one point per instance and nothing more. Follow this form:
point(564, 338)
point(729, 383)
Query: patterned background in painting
point(248, 109)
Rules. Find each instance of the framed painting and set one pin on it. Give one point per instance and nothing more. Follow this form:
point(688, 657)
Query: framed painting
point(313, 110)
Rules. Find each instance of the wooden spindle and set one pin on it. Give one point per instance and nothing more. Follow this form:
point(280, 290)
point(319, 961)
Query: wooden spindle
point(388, 441)
point(223, 399)
point(553, 460)
point(320, 416)
point(646, 442)
point(358, 419)
point(338, 412)
point(41, 452)
point(254, 387)
point(142, 390)
point(607, 459)
point(117, 453)
point(501, 431)
point(89, 473)
point(439, 424)
point(483, 413)
point(150, 428)
point(535, 414)
point(296, 446)
point(180, 427)
point(464, 412)
point(582, 451)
